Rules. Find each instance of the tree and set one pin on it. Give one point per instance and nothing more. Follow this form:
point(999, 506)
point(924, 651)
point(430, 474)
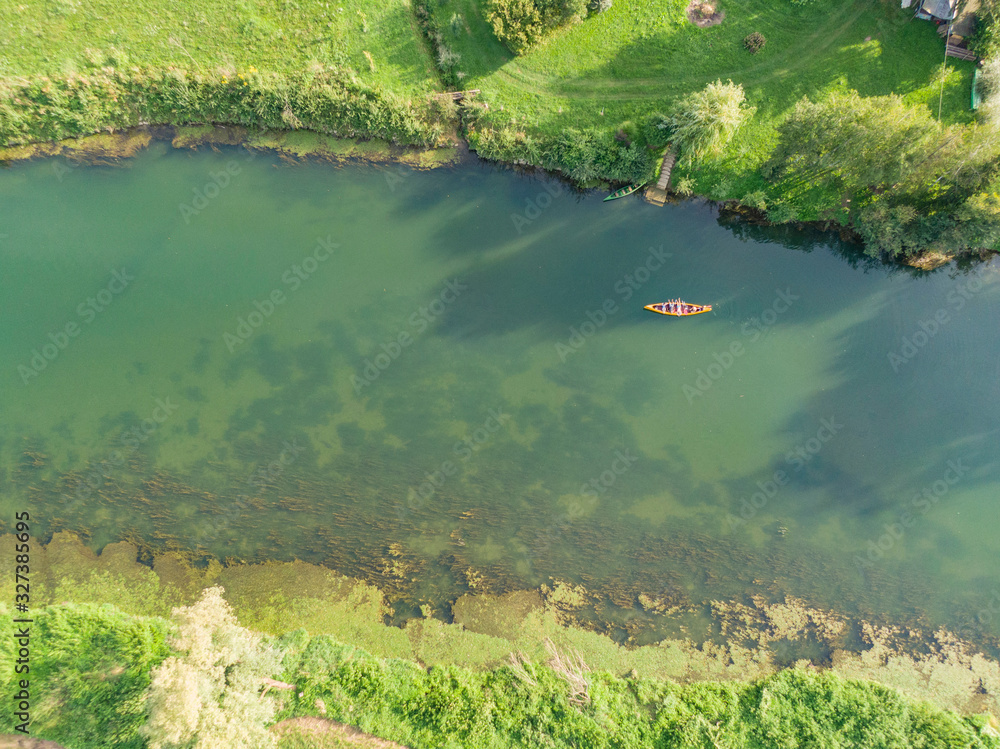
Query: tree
point(209, 695)
point(989, 86)
point(706, 120)
point(917, 185)
point(851, 142)
point(521, 24)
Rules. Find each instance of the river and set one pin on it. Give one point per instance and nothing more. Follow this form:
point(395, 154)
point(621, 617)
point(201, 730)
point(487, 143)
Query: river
point(445, 381)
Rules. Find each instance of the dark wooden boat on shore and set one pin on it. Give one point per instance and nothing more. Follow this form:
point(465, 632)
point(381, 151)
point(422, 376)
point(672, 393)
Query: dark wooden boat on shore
point(678, 308)
point(622, 192)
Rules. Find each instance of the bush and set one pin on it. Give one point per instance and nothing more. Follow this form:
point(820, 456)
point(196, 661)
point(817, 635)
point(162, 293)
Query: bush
point(684, 186)
point(706, 120)
point(781, 213)
point(985, 39)
point(756, 200)
point(521, 24)
point(209, 694)
point(754, 42)
point(599, 6)
point(90, 670)
point(325, 99)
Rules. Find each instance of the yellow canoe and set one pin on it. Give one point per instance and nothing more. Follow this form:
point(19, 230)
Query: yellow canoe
point(678, 308)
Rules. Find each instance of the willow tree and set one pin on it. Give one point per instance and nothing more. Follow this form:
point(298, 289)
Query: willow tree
point(705, 121)
point(209, 695)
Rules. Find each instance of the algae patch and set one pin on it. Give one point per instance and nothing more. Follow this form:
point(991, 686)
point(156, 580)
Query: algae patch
point(733, 641)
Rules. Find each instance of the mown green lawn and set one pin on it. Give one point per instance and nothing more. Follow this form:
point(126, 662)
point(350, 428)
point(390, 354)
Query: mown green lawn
point(642, 55)
point(55, 37)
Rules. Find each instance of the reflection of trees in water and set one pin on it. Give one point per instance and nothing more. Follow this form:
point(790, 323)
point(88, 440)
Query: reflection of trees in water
point(749, 226)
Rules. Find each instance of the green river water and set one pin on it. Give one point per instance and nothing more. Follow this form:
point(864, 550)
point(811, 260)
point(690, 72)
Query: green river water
point(444, 381)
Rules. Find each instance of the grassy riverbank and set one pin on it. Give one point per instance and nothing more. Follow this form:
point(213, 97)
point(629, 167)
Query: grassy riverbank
point(587, 101)
point(102, 624)
point(75, 67)
point(590, 100)
point(93, 667)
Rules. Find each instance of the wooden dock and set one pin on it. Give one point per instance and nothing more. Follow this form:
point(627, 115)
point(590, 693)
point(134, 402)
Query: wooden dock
point(457, 95)
point(961, 53)
point(658, 193)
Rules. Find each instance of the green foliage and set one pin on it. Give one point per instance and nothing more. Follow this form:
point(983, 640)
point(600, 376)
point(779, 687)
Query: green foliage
point(897, 229)
point(328, 100)
point(529, 706)
point(800, 708)
point(754, 42)
point(756, 200)
point(705, 121)
point(985, 39)
point(90, 669)
point(781, 212)
point(851, 142)
point(208, 695)
point(684, 186)
point(918, 185)
point(521, 24)
point(989, 88)
point(583, 155)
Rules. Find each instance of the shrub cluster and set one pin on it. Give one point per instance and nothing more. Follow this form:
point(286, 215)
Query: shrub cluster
point(324, 99)
point(985, 39)
point(91, 670)
point(705, 121)
point(584, 155)
point(754, 42)
point(533, 705)
point(914, 186)
point(521, 24)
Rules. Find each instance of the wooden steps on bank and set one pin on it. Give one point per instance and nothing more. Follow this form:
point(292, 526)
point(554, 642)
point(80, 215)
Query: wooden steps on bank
point(961, 53)
point(658, 193)
point(456, 95)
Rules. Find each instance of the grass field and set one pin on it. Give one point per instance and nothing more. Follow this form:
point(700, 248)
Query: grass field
point(59, 37)
point(645, 53)
point(255, 62)
point(642, 55)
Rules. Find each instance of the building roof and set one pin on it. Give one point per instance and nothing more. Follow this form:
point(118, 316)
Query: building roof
point(943, 9)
